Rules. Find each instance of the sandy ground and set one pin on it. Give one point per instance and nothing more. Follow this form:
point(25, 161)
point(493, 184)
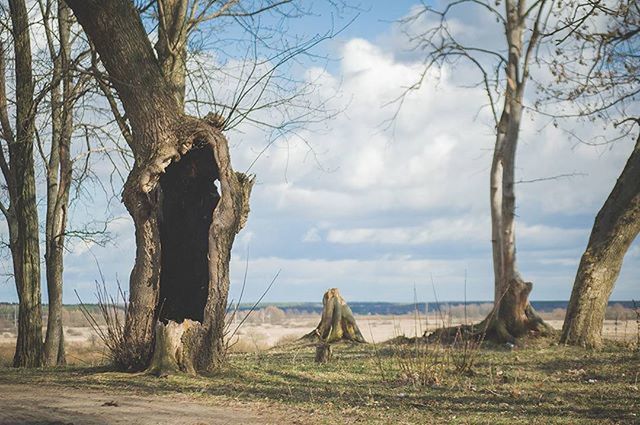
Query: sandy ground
point(254, 336)
point(383, 328)
point(28, 404)
point(71, 334)
point(265, 335)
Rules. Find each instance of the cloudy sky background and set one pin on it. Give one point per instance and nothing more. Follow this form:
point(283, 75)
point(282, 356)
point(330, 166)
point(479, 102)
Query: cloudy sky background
point(375, 209)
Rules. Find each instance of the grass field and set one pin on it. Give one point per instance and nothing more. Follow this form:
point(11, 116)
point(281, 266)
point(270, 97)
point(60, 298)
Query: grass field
point(393, 383)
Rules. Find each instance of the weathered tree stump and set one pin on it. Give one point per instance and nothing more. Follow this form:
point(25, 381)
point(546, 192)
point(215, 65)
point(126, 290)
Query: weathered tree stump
point(337, 322)
point(176, 348)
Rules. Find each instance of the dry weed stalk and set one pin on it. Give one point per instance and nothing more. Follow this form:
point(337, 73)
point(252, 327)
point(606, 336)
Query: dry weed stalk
point(122, 355)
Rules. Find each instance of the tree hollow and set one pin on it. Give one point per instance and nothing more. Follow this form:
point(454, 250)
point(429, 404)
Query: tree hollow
point(189, 197)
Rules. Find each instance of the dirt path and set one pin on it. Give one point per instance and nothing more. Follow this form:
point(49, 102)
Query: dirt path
point(29, 404)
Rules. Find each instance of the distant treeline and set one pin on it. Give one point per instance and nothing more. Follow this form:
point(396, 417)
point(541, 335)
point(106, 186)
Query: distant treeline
point(383, 308)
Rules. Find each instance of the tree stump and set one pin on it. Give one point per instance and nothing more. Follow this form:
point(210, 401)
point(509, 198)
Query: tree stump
point(176, 347)
point(337, 322)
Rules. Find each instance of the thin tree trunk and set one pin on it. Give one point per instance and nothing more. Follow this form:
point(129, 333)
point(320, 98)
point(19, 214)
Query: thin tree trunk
point(59, 175)
point(614, 230)
point(512, 315)
point(62, 355)
point(54, 350)
point(53, 344)
point(24, 243)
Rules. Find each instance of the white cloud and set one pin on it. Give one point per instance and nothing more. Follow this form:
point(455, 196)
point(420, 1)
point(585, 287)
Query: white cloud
point(437, 230)
point(467, 229)
point(312, 235)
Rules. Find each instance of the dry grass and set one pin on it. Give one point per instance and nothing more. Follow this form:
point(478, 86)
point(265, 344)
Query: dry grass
point(538, 383)
point(393, 382)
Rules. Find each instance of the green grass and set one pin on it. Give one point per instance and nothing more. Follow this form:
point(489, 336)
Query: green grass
point(541, 383)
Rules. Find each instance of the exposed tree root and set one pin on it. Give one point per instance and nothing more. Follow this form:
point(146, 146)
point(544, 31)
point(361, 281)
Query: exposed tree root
point(494, 329)
point(512, 318)
point(323, 353)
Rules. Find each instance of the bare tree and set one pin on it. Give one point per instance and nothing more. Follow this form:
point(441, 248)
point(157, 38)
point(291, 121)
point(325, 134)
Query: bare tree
point(504, 74)
point(19, 179)
point(57, 86)
point(596, 71)
point(64, 86)
point(162, 135)
point(182, 272)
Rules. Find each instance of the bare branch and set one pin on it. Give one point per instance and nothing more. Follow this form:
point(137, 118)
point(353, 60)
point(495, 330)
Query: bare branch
point(556, 177)
point(108, 94)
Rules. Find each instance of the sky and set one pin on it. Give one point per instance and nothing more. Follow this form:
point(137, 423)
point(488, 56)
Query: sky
point(378, 208)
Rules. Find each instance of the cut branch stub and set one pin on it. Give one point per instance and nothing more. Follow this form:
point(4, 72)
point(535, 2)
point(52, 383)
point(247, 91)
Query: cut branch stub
point(337, 322)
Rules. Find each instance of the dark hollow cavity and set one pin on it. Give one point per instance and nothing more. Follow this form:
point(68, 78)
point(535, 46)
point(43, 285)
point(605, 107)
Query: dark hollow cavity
point(189, 196)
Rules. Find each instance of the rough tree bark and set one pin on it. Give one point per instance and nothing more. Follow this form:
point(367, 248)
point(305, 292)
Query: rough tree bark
point(616, 226)
point(172, 352)
point(337, 322)
point(19, 174)
point(171, 47)
point(162, 135)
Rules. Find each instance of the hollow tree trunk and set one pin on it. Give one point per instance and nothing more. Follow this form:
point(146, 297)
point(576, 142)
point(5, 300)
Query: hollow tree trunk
point(616, 226)
point(25, 238)
point(59, 175)
point(185, 198)
point(337, 322)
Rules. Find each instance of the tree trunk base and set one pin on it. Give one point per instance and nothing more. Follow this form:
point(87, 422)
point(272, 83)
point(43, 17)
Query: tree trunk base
point(494, 329)
point(176, 348)
point(512, 318)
